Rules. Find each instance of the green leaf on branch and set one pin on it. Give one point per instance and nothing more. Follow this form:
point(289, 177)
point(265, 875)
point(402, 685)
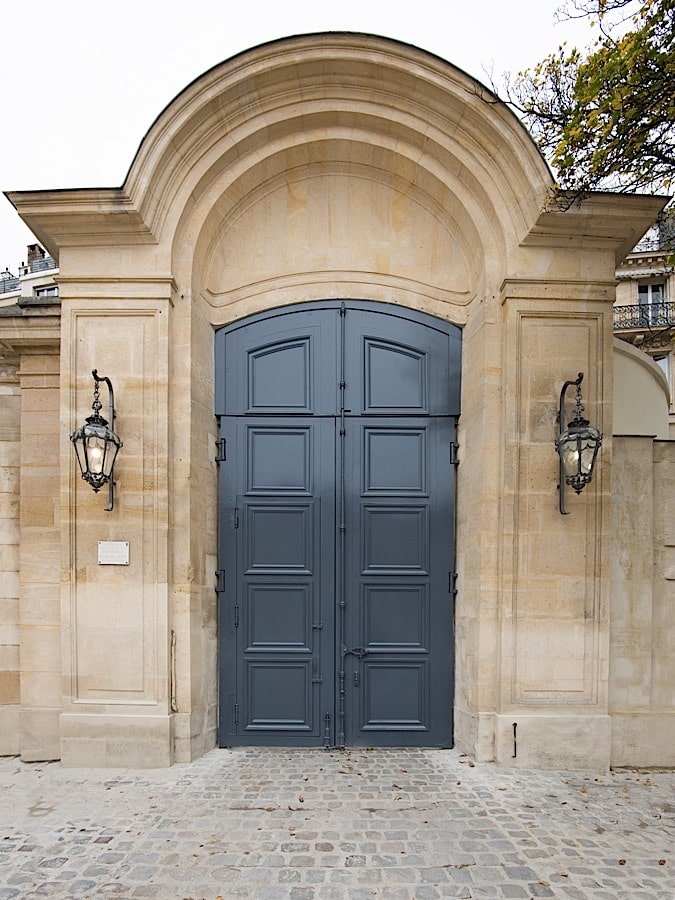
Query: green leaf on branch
point(605, 119)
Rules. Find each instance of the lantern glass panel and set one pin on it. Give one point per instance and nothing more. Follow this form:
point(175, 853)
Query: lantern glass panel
point(589, 447)
point(96, 452)
point(113, 446)
point(569, 452)
point(78, 444)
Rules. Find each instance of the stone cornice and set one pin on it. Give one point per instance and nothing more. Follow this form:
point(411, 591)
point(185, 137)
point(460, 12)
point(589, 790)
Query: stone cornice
point(601, 221)
point(81, 218)
point(23, 329)
point(645, 264)
point(558, 289)
point(110, 288)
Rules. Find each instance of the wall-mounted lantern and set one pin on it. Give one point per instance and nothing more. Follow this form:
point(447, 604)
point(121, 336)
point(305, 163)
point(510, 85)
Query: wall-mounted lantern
point(96, 445)
point(577, 446)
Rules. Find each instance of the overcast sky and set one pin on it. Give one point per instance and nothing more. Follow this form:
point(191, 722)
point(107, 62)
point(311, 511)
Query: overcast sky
point(81, 82)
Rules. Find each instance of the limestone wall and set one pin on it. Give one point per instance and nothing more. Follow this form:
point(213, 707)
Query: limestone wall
point(10, 424)
point(641, 393)
point(642, 633)
point(40, 555)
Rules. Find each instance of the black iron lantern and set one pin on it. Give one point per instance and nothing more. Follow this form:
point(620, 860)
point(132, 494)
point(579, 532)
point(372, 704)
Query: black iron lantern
point(96, 445)
point(577, 446)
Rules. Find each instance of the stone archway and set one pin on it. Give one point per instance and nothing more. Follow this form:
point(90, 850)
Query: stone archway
point(329, 166)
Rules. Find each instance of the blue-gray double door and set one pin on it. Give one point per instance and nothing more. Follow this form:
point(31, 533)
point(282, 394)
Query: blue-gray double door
point(337, 426)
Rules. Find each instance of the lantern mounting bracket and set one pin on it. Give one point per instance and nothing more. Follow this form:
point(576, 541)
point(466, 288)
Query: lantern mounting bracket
point(111, 418)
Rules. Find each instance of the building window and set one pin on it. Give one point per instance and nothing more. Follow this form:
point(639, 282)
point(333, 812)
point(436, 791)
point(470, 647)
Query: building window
point(652, 302)
point(665, 363)
point(51, 291)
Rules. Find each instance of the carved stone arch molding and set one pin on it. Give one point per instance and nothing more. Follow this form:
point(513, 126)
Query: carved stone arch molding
point(323, 167)
point(342, 164)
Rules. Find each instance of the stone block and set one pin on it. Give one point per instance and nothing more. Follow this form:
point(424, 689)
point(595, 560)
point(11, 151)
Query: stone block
point(643, 738)
point(9, 633)
point(9, 688)
point(10, 741)
point(9, 657)
point(41, 688)
point(133, 741)
point(40, 648)
point(543, 741)
point(9, 585)
point(39, 734)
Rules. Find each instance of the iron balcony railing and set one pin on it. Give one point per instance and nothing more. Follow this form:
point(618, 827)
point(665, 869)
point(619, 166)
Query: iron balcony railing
point(40, 265)
point(644, 315)
point(9, 282)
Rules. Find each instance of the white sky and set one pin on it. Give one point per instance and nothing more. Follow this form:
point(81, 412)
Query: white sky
point(81, 82)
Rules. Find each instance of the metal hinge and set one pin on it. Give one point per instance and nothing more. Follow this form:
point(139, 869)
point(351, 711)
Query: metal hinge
point(221, 454)
point(235, 713)
point(454, 447)
point(236, 617)
point(220, 581)
point(452, 583)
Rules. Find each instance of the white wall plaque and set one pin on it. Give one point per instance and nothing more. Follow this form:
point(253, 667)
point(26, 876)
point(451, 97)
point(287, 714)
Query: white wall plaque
point(113, 553)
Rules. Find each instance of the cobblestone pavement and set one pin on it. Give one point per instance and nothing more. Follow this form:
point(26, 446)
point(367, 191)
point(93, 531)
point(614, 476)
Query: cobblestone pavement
point(276, 823)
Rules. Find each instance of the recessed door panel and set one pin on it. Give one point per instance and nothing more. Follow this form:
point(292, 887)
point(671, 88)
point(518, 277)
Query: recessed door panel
point(279, 617)
point(279, 377)
point(395, 539)
point(279, 460)
point(396, 697)
point(336, 526)
point(278, 696)
point(395, 377)
point(395, 617)
point(394, 461)
point(279, 537)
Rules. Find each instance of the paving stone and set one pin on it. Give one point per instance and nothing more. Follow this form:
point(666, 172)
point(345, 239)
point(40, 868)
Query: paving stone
point(514, 891)
point(540, 890)
point(400, 823)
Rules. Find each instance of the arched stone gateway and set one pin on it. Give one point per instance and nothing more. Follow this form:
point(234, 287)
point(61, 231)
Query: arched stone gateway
point(314, 170)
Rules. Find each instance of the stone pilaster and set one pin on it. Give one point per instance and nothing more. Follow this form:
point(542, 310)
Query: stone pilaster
point(554, 568)
point(10, 449)
point(116, 706)
point(39, 558)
